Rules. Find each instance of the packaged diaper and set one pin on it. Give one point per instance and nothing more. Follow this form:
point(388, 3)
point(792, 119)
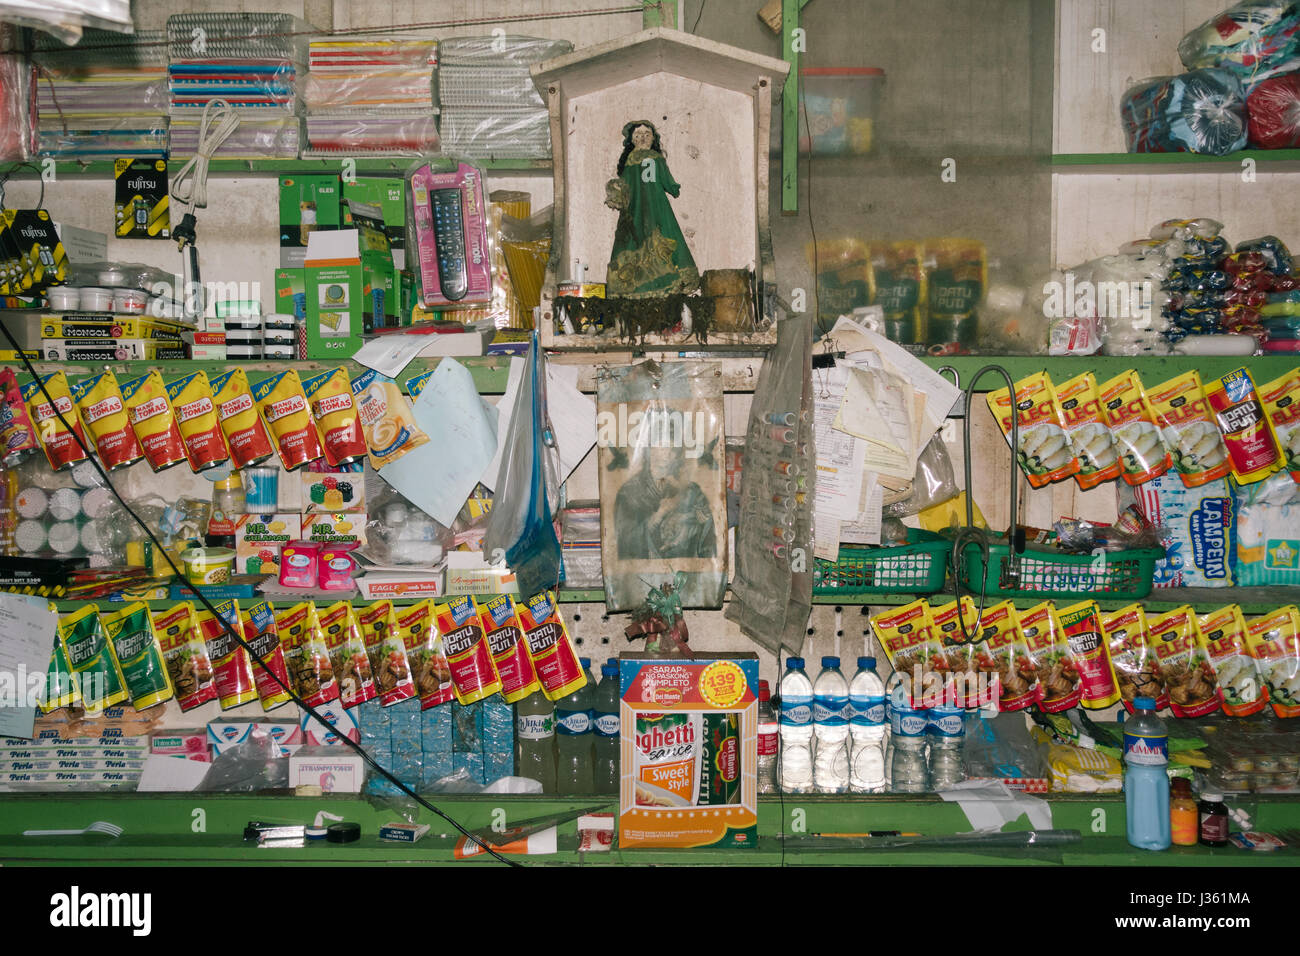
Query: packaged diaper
point(1268, 532)
point(1199, 528)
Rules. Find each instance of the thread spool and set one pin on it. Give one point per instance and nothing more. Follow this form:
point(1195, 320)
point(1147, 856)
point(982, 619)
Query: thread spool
point(781, 433)
point(781, 418)
point(778, 551)
point(786, 468)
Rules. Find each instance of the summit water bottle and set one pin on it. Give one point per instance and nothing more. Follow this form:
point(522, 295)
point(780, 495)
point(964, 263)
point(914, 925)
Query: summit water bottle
point(867, 729)
point(1146, 783)
point(830, 729)
point(573, 737)
point(795, 769)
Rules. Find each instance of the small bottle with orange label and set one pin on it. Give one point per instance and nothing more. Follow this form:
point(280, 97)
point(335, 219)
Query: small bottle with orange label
point(1183, 818)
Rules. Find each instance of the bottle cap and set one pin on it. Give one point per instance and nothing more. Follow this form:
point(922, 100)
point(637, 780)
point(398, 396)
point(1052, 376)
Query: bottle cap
point(868, 663)
point(764, 692)
point(1144, 703)
point(1181, 785)
point(609, 669)
point(794, 663)
point(830, 662)
point(585, 662)
point(1211, 796)
point(230, 483)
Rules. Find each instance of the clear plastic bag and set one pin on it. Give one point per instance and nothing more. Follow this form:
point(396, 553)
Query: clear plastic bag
point(398, 533)
point(371, 133)
point(933, 483)
point(1199, 112)
point(461, 51)
point(17, 130)
point(1274, 107)
point(520, 525)
point(1254, 39)
point(496, 133)
point(257, 137)
point(250, 767)
point(198, 37)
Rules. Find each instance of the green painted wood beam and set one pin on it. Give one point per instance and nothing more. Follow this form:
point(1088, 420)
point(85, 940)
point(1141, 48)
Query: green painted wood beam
point(661, 13)
point(790, 108)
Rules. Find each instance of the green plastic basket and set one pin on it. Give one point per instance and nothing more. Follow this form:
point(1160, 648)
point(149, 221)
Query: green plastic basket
point(1051, 574)
point(918, 567)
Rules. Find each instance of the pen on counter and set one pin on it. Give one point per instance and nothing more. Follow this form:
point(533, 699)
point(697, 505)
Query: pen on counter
point(869, 833)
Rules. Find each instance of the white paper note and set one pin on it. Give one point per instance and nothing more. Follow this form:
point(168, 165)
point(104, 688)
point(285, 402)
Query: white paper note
point(26, 641)
point(839, 455)
point(438, 476)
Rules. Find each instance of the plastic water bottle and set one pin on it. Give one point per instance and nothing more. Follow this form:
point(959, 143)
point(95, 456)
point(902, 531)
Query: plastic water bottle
point(768, 734)
point(946, 728)
point(605, 727)
point(1146, 784)
point(831, 729)
point(574, 738)
point(535, 740)
point(796, 723)
point(867, 729)
point(909, 771)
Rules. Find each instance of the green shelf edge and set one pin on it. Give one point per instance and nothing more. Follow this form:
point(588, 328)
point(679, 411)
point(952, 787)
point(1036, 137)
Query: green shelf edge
point(365, 166)
point(1158, 161)
point(159, 830)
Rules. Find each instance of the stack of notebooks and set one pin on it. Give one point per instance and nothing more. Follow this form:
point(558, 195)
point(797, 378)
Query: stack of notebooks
point(104, 97)
point(371, 96)
point(253, 61)
point(490, 108)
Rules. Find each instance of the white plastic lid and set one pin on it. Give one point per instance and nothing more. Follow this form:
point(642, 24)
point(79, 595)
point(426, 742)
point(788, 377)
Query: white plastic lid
point(1211, 796)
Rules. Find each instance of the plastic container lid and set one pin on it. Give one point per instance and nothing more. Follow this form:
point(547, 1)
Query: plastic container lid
point(764, 692)
point(794, 663)
point(1211, 796)
point(868, 663)
point(830, 662)
point(343, 832)
point(1144, 703)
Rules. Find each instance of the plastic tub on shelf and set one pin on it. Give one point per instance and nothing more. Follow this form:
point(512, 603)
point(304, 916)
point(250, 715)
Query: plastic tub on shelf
point(839, 105)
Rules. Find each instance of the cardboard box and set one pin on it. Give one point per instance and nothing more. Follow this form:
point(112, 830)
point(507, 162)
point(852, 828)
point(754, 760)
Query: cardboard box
point(307, 204)
point(141, 209)
point(335, 527)
point(259, 538)
point(107, 350)
point(190, 744)
point(350, 488)
point(390, 585)
point(389, 194)
point(224, 734)
point(700, 716)
point(333, 286)
point(291, 291)
point(341, 720)
point(332, 769)
point(378, 273)
point(403, 832)
point(468, 572)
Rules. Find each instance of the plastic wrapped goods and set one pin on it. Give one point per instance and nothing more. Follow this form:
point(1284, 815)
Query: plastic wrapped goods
point(1253, 39)
point(1274, 108)
point(1199, 112)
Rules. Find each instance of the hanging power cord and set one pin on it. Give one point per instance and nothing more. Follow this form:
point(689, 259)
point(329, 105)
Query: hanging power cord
point(970, 534)
point(233, 632)
point(190, 190)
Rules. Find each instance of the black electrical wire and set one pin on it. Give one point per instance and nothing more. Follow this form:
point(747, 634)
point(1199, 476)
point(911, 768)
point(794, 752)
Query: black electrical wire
point(239, 638)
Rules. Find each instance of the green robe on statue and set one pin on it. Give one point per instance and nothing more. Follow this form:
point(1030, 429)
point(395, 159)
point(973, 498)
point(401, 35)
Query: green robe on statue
point(650, 256)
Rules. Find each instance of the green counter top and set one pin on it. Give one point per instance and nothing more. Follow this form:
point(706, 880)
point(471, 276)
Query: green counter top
point(206, 829)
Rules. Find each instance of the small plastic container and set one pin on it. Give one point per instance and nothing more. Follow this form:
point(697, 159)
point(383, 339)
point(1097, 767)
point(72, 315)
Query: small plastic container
point(96, 300)
point(130, 301)
point(286, 337)
point(62, 298)
point(208, 565)
point(840, 105)
point(279, 351)
point(243, 352)
point(113, 277)
point(245, 337)
point(299, 561)
point(336, 566)
point(245, 322)
point(278, 320)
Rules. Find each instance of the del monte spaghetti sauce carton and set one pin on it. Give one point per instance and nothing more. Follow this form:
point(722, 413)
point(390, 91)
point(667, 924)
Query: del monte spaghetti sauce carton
point(472, 672)
point(689, 734)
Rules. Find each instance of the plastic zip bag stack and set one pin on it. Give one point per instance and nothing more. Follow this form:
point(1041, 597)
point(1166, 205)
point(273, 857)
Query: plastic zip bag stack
point(254, 61)
point(371, 96)
point(490, 107)
point(103, 98)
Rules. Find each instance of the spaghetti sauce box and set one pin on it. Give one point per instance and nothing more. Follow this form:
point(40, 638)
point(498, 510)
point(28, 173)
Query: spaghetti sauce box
point(720, 760)
point(509, 650)
point(473, 675)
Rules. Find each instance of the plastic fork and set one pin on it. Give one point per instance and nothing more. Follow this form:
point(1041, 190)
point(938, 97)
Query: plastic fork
point(99, 826)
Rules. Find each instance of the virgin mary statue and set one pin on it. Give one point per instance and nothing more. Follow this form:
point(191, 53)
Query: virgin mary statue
point(650, 256)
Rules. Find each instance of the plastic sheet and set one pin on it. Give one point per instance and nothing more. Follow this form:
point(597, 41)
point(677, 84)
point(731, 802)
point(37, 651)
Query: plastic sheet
point(501, 134)
point(17, 133)
point(195, 37)
point(257, 137)
point(371, 133)
point(1253, 39)
point(1199, 112)
point(1274, 107)
point(461, 51)
point(933, 483)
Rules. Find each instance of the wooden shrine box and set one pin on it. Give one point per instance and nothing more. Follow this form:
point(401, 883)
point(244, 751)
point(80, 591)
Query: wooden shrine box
point(712, 106)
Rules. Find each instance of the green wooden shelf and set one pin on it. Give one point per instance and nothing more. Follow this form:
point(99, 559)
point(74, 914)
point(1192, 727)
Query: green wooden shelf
point(276, 167)
point(159, 829)
point(1161, 162)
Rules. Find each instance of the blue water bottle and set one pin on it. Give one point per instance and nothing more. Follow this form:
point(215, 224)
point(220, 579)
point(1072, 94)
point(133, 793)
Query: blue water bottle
point(1146, 784)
